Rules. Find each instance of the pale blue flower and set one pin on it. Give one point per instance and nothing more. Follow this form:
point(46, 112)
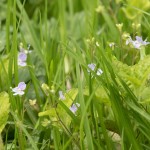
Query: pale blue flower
point(61, 95)
point(74, 107)
point(137, 43)
point(19, 90)
point(22, 57)
point(91, 66)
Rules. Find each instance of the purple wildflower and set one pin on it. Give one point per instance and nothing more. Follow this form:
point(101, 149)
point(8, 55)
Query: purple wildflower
point(91, 66)
point(19, 90)
point(22, 57)
point(138, 42)
point(74, 107)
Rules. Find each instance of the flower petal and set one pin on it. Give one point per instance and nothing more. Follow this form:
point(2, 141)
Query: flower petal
point(22, 86)
point(22, 56)
point(91, 66)
point(99, 72)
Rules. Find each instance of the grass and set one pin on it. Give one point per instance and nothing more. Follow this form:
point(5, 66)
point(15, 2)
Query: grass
point(62, 38)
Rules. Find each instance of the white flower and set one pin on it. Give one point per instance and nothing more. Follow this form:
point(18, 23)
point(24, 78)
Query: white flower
point(99, 71)
point(19, 90)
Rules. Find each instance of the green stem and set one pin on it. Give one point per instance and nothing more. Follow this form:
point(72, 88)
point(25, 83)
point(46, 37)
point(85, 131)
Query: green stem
point(142, 53)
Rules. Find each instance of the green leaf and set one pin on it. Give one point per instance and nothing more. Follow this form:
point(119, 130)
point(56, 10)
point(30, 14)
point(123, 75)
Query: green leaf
point(70, 97)
point(4, 109)
point(60, 113)
point(100, 95)
point(130, 10)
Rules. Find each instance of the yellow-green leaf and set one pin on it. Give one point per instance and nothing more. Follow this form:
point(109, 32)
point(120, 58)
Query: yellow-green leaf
point(4, 109)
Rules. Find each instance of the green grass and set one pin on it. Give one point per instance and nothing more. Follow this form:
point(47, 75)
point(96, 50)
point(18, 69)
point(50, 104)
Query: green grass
point(64, 37)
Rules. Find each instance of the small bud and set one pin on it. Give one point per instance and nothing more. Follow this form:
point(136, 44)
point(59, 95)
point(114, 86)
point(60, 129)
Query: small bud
point(32, 102)
point(52, 90)
point(136, 26)
point(100, 9)
point(88, 40)
point(93, 39)
point(45, 88)
point(119, 26)
point(97, 44)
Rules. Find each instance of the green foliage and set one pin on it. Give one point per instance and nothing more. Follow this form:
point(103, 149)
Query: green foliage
point(4, 72)
point(136, 77)
point(4, 107)
point(65, 36)
point(58, 115)
point(138, 4)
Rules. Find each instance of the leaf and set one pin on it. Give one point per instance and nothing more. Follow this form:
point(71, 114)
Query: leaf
point(132, 13)
point(60, 113)
point(100, 95)
point(70, 97)
point(4, 109)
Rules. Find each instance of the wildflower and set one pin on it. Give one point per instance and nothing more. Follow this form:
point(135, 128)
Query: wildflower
point(22, 57)
point(138, 42)
point(99, 71)
point(74, 107)
point(61, 95)
point(91, 66)
point(19, 90)
point(129, 40)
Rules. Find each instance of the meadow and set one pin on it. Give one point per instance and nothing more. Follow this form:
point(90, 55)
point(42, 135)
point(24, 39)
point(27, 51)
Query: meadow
point(74, 75)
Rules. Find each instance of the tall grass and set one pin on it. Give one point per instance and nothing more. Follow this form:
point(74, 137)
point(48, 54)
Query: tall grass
point(114, 107)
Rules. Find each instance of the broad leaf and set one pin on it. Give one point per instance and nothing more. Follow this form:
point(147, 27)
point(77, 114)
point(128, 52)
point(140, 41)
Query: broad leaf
point(4, 109)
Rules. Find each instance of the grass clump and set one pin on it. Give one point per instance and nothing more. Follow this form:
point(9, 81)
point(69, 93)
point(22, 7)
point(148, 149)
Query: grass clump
point(75, 75)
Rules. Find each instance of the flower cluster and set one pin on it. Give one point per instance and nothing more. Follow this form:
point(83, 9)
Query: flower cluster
point(74, 107)
point(19, 90)
point(22, 55)
point(138, 43)
point(92, 67)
